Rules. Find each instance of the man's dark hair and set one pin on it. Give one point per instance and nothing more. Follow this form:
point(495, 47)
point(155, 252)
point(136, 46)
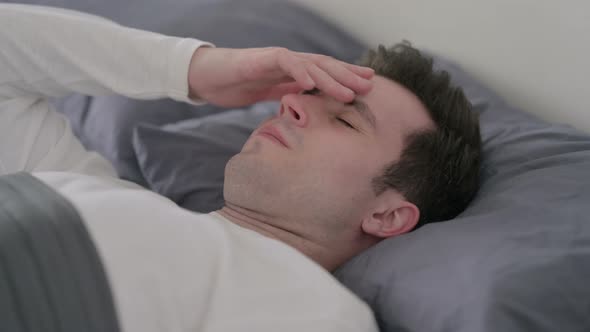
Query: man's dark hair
point(439, 168)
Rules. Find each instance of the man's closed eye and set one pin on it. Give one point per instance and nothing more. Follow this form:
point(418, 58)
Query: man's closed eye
point(346, 123)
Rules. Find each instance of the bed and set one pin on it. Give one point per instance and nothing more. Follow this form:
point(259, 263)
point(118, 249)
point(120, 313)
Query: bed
point(518, 259)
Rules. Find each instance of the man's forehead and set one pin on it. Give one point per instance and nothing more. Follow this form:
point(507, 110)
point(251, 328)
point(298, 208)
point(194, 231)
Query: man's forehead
point(393, 103)
point(389, 92)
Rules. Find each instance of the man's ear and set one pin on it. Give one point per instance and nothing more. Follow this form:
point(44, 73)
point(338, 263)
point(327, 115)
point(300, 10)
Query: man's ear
point(392, 219)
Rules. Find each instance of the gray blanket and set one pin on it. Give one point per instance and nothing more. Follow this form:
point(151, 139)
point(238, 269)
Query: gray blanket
point(51, 277)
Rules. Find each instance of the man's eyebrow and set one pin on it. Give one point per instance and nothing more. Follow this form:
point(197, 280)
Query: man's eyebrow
point(365, 111)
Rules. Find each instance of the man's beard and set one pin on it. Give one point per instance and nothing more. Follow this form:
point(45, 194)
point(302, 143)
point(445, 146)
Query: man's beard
point(251, 183)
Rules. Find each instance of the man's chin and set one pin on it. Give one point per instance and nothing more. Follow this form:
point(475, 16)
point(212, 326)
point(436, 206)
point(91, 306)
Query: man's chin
point(250, 177)
point(251, 147)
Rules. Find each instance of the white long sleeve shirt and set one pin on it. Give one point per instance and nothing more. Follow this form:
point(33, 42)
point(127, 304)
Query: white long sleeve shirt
point(170, 269)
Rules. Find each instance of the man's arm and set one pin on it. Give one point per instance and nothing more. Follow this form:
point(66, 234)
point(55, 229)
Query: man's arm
point(49, 52)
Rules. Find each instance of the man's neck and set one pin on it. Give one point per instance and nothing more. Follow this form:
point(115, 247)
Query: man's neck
point(268, 226)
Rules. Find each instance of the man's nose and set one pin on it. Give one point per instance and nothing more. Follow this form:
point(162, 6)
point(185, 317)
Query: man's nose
point(292, 110)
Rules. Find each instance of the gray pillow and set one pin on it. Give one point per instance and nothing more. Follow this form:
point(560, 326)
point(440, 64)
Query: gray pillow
point(518, 259)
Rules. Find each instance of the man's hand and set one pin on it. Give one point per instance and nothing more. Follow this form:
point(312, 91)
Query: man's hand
point(240, 77)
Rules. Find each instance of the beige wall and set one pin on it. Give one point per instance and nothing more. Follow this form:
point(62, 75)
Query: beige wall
point(533, 53)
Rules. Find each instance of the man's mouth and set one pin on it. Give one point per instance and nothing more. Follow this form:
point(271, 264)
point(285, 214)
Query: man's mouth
point(274, 134)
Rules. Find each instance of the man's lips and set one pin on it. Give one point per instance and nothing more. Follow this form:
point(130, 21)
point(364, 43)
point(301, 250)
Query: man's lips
point(273, 133)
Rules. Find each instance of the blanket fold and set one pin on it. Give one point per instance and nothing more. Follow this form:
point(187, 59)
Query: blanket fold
point(51, 276)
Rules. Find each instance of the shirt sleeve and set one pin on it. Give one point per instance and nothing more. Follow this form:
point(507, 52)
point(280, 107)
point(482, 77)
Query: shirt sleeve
point(50, 52)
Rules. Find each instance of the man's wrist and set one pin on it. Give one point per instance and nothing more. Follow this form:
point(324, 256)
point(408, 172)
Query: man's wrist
point(179, 53)
point(197, 63)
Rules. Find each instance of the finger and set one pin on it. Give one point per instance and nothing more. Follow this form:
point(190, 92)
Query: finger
point(280, 80)
point(346, 77)
point(296, 68)
point(329, 85)
point(364, 72)
point(278, 91)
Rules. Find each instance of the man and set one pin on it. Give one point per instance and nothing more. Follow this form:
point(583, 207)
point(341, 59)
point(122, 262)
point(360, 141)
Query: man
point(350, 159)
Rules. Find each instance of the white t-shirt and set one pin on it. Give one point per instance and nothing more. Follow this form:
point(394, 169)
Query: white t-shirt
point(169, 269)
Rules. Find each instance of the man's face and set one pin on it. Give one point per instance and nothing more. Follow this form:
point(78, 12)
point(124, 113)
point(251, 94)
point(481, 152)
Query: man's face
point(319, 176)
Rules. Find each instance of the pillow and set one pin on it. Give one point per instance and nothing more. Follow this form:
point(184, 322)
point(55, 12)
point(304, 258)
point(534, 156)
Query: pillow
point(518, 259)
point(105, 124)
